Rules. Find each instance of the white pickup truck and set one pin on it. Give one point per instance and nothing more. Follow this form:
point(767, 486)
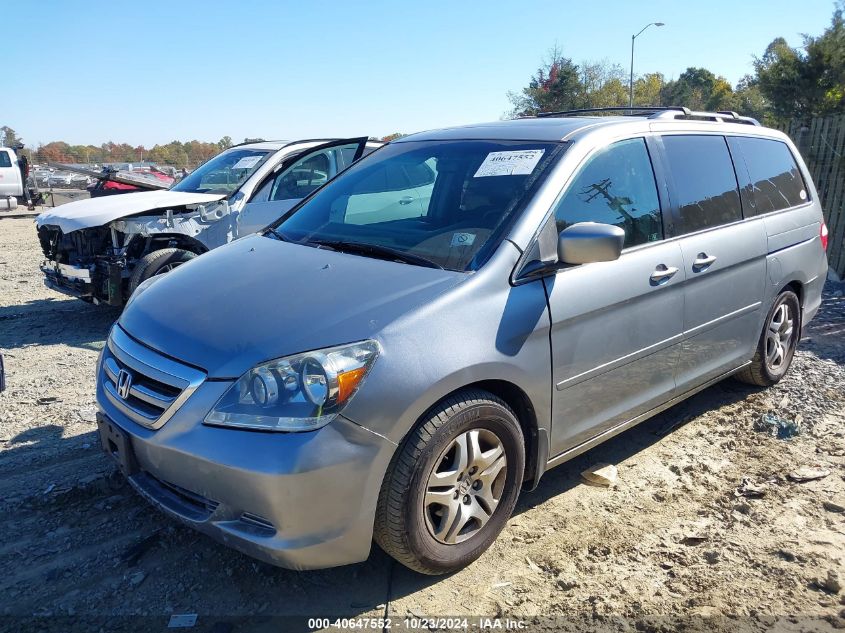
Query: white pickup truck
point(101, 249)
point(11, 183)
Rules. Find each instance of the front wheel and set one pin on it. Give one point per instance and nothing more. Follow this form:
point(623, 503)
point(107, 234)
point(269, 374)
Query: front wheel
point(157, 263)
point(777, 343)
point(452, 484)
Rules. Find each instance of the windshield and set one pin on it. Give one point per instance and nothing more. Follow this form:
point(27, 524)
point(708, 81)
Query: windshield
point(224, 173)
point(439, 203)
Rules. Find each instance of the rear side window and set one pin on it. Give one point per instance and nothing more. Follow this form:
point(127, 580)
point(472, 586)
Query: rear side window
point(775, 179)
point(617, 187)
point(705, 182)
point(5, 161)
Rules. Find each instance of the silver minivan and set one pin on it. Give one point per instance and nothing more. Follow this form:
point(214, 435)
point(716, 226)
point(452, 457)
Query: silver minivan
point(395, 364)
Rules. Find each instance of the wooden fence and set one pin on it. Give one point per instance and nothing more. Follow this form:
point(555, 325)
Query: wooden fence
point(822, 144)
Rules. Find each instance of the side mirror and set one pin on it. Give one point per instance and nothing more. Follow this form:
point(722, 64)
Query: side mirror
point(587, 242)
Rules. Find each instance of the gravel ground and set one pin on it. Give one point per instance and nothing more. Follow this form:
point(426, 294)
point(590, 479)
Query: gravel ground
point(704, 522)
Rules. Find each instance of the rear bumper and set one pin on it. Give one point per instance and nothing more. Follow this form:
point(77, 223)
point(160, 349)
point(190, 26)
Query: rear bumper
point(812, 299)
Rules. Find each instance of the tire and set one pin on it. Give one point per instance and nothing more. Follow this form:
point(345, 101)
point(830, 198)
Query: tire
point(776, 347)
point(157, 263)
point(420, 535)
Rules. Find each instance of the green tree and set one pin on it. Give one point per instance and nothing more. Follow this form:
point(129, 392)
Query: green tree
point(805, 83)
point(647, 89)
point(699, 89)
point(603, 85)
point(555, 86)
point(225, 142)
point(10, 137)
point(750, 101)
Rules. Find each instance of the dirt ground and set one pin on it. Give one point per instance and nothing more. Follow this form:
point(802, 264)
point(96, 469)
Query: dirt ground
point(704, 522)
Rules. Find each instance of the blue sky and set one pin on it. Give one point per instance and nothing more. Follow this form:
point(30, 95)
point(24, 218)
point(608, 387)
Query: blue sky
point(150, 72)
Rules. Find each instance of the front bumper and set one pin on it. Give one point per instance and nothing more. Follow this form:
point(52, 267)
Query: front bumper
point(296, 500)
point(70, 280)
point(101, 283)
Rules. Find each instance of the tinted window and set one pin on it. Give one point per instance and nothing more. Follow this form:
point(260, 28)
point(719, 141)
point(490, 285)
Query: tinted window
point(391, 177)
point(302, 178)
point(615, 187)
point(5, 161)
point(775, 180)
point(420, 175)
point(705, 183)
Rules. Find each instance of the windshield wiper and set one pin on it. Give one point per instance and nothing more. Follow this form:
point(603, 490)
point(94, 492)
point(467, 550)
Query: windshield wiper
point(277, 235)
point(376, 250)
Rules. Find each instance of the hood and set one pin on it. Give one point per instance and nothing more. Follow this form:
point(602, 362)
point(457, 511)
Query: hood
point(258, 298)
point(93, 212)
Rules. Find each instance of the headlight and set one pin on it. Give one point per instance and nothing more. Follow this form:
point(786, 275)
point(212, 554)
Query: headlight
point(296, 393)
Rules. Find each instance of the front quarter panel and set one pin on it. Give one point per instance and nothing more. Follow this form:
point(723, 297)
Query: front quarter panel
point(481, 329)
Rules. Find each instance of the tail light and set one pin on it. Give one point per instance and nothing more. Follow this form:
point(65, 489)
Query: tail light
point(823, 235)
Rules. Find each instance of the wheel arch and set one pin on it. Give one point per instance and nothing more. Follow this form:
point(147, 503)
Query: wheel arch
point(158, 241)
point(535, 439)
point(797, 287)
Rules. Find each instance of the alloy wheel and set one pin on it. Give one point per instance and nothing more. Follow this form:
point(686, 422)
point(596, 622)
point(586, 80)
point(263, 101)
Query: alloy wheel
point(779, 336)
point(465, 486)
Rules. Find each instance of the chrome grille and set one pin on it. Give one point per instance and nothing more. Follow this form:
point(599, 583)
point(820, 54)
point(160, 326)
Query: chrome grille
point(154, 385)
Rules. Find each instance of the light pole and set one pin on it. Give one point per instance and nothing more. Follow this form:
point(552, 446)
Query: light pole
point(631, 82)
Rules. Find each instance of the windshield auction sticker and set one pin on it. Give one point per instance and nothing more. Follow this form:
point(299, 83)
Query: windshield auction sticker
point(516, 163)
point(247, 162)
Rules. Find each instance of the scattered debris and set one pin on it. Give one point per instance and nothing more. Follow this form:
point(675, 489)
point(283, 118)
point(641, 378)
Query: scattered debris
point(88, 414)
point(712, 556)
point(694, 538)
point(786, 555)
point(137, 578)
point(833, 506)
point(600, 475)
point(499, 585)
point(831, 584)
point(182, 621)
point(806, 473)
point(749, 489)
point(566, 583)
point(48, 400)
point(778, 427)
point(533, 566)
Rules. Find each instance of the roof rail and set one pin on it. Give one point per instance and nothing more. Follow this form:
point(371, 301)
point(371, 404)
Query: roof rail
point(721, 116)
point(630, 110)
point(660, 112)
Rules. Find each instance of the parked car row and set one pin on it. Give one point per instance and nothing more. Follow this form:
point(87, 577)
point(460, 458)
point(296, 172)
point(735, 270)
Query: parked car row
point(68, 180)
point(403, 342)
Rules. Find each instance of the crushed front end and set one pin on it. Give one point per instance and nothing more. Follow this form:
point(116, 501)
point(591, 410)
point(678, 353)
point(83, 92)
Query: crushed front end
point(88, 263)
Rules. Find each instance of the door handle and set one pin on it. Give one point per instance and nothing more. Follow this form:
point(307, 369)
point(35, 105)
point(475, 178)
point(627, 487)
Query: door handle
point(406, 200)
point(702, 261)
point(663, 273)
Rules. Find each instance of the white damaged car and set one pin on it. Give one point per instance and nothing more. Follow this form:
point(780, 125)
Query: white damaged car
point(101, 249)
